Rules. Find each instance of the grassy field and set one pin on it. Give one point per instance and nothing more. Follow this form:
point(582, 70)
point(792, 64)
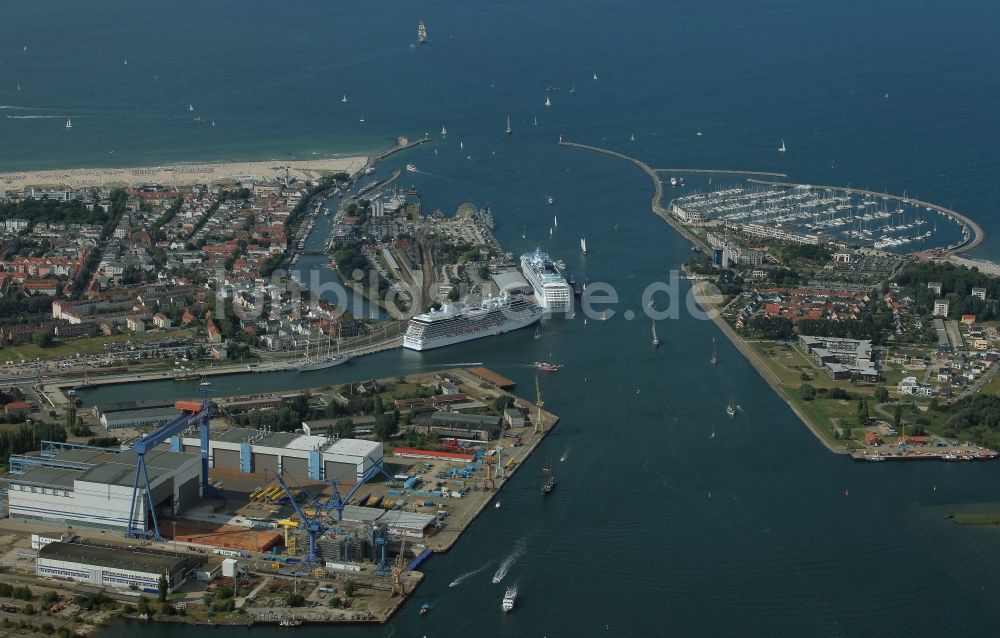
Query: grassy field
point(91, 345)
point(993, 387)
point(976, 519)
point(827, 413)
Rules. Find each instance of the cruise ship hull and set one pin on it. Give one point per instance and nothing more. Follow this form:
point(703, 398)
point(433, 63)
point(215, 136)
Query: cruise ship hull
point(495, 329)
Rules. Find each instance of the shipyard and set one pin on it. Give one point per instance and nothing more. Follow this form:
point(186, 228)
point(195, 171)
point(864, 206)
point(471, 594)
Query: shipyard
point(221, 505)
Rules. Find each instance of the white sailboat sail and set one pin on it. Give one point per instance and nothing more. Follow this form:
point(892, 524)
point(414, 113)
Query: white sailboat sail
point(583, 245)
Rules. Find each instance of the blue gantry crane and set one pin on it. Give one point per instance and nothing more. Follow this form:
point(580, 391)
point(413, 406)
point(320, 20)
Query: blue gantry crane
point(191, 412)
point(337, 503)
point(313, 524)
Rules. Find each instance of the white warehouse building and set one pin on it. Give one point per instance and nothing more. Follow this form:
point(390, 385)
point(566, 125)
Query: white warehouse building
point(94, 487)
point(106, 566)
point(251, 451)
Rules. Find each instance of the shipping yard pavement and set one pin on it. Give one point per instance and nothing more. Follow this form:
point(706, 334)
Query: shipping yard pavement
point(262, 596)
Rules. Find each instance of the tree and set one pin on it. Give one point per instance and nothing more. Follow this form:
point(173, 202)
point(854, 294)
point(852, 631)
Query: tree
point(881, 394)
point(42, 338)
point(345, 428)
point(295, 600)
point(862, 412)
point(143, 606)
point(71, 417)
point(501, 403)
point(386, 425)
point(897, 415)
point(349, 588)
point(807, 392)
point(161, 587)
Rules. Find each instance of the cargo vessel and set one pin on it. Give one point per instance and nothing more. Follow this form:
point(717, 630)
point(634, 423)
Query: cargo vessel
point(509, 597)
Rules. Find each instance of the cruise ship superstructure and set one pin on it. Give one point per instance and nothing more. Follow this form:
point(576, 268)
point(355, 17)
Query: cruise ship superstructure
point(451, 324)
point(551, 289)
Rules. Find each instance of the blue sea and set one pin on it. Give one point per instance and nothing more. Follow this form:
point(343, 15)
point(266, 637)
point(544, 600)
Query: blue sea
point(656, 529)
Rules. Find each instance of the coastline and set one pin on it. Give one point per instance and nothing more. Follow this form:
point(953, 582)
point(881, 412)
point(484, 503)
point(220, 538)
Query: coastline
point(706, 304)
point(182, 174)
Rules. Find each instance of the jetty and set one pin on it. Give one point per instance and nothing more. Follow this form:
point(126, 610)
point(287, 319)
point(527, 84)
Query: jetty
point(720, 171)
point(656, 204)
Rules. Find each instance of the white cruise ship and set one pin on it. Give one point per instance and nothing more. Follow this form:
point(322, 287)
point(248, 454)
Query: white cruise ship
point(451, 325)
point(551, 289)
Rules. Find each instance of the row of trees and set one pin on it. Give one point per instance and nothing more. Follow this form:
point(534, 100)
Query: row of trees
point(50, 210)
point(29, 437)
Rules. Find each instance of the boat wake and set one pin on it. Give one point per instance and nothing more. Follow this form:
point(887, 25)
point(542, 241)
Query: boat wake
point(517, 552)
point(458, 581)
point(35, 117)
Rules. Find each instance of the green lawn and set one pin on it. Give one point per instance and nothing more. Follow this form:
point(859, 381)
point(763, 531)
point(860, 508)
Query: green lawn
point(90, 345)
point(993, 387)
point(827, 413)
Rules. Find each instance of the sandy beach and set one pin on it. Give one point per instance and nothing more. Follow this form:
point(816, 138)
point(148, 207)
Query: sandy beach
point(988, 267)
point(182, 174)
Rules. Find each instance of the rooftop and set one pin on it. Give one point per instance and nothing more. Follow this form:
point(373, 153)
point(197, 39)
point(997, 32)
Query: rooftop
point(139, 559)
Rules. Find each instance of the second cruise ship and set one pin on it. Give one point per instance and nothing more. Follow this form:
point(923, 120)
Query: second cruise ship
point(450, 324)
point(551, 289)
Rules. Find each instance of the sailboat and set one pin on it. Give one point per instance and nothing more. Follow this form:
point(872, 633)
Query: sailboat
point(631, 137)
point(550, 200)
point(421, 33)
point(524, 233)
point(656, 340)
point(713, 433)
point(538, 332)
point(461, 145)
point(190, 107)
point(715, 356)
point(69, 124)
point(698, 133)
point(550, 231)
point(344, 99)
point(126, 61)
point(781, 149)
point(548, 102)
point(595, 76)
point(444, 131)
point(509, 129)
point(555, 221)
point(573, 88)
point(213, 122)
point(536, 120)
point(583, 245)
point(731, 408)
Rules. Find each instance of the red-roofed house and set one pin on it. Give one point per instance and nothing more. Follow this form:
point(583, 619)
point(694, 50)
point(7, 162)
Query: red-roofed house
point(214, 336)
point(16, 408)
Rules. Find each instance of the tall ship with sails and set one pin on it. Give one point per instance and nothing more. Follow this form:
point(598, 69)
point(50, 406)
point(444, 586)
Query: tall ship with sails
point(552, 291)
point(323, 359)
point(451, 324)
point(421, 33)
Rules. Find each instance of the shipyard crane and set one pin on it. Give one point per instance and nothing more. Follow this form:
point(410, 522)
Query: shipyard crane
point(398, 589)
point(539, 403)
point(313, 525)
point(337, 502)
point(191, 412)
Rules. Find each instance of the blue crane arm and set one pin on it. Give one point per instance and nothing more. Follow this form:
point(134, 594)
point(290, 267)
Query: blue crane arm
point(338, 503)
point(167, 430)
point(295, 504)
